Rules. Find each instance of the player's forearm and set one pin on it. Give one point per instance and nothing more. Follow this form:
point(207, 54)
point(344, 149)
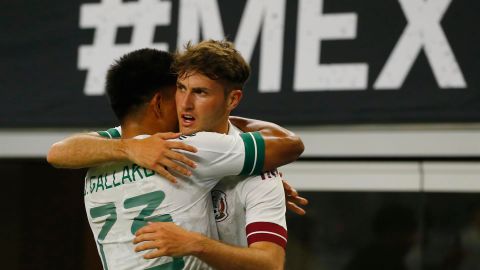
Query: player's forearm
point(281, 151)
point(222, 256)
point(85, 150)
point(281, 145)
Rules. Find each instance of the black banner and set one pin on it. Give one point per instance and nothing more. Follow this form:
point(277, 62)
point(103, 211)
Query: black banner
point(313, 61)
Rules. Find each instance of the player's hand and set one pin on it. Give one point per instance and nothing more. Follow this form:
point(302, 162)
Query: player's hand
point(292, 199)
point(165, 239)
point(156, 153)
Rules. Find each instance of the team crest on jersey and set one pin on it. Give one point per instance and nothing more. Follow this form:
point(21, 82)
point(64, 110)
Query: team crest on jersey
point(220, 207)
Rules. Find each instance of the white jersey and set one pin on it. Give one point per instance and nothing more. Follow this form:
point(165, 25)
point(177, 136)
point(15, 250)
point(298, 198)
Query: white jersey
point(122, 197)
point(250, 209)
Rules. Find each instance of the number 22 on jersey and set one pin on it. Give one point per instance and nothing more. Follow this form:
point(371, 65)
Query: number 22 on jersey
point(152, 200)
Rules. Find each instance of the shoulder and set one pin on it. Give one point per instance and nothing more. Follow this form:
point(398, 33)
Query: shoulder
point(270, 180)
point(259, 190)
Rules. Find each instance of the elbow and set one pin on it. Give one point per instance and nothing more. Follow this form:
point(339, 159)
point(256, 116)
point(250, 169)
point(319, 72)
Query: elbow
point(301, 148)
point(53, 156)
point(270, 255)
point(276, 264)
point(298, 146)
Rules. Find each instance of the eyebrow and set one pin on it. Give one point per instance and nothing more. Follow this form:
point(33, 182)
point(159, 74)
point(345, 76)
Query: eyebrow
point(200, 88)
point(179, 84)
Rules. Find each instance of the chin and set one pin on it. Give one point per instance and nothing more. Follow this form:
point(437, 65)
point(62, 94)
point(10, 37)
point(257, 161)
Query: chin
point(188, 131)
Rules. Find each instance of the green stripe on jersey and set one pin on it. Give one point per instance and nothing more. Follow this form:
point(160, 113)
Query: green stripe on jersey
point(111, 133)
point(104, 134)
point(254, 153)
point(260, 143)
point(249, 153)
point(114, 133)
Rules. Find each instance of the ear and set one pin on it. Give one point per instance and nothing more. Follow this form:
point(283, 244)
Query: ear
point(155, 104)
point(234, 98)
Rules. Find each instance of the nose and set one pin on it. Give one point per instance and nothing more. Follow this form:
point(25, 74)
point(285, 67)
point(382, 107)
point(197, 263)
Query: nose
point(186, 101)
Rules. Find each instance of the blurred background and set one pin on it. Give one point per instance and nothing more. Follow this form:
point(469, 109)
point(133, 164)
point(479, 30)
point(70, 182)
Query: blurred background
point(384, 93)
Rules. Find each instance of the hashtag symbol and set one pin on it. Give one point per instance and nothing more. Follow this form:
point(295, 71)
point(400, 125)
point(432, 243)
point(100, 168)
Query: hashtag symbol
point(106, 18)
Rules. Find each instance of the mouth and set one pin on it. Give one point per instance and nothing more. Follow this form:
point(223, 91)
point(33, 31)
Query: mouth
point(187, 120)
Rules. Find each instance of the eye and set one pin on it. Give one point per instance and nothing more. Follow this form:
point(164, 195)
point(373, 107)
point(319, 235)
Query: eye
point(180, 88)
point(201, 92)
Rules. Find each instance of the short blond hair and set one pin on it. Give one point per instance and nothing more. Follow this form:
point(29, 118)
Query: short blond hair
point(216, 59)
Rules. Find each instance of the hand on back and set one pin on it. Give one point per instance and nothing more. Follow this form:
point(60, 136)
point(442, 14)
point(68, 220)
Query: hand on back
point(166, 239)
point(161, 155)
point(292, 199)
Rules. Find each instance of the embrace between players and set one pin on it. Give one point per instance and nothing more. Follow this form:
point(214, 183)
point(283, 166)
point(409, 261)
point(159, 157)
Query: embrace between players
point(142, 221)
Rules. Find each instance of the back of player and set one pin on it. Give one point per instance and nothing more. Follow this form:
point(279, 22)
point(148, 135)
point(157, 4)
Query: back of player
point(120, 198)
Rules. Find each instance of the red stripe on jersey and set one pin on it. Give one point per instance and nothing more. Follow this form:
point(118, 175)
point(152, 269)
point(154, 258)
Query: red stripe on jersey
point(266, 231)
point(268, 237)
point(266, 226)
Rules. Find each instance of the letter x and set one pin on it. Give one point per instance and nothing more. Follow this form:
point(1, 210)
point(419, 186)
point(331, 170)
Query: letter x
point(423, 31)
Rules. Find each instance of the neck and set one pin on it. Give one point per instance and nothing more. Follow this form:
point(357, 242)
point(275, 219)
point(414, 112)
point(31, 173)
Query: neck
point(131, 128)
point(224, 125)
point(223, 129)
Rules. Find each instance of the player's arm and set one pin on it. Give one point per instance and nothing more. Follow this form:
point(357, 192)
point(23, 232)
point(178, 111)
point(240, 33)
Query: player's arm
point(249, 153)
point(266, 233)
point(85, 150)
point(91, 149)
point(168, 239)
point(261, 255)
point(281, 145)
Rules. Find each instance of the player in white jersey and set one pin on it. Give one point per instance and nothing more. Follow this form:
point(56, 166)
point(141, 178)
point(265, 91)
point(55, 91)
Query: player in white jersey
point(252, 210)
point(250, 214)
point(122, 197)
point(113, 198)
point(246, 211)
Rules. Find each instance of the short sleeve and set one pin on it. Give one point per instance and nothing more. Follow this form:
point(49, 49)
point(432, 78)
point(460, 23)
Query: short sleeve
point(112, 133)
point(254, 153)
point(264, 201)
point(218, 155)
point(221, 155)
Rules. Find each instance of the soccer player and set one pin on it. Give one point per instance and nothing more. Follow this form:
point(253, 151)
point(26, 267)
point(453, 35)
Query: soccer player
point(122, 197)
point(250, 214)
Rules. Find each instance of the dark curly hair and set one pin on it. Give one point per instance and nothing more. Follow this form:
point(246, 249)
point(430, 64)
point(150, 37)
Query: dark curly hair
point(135, 78)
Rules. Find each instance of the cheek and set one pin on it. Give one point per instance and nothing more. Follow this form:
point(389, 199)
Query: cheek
point(221, 106)
point(212, 108)
point(178, 98)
